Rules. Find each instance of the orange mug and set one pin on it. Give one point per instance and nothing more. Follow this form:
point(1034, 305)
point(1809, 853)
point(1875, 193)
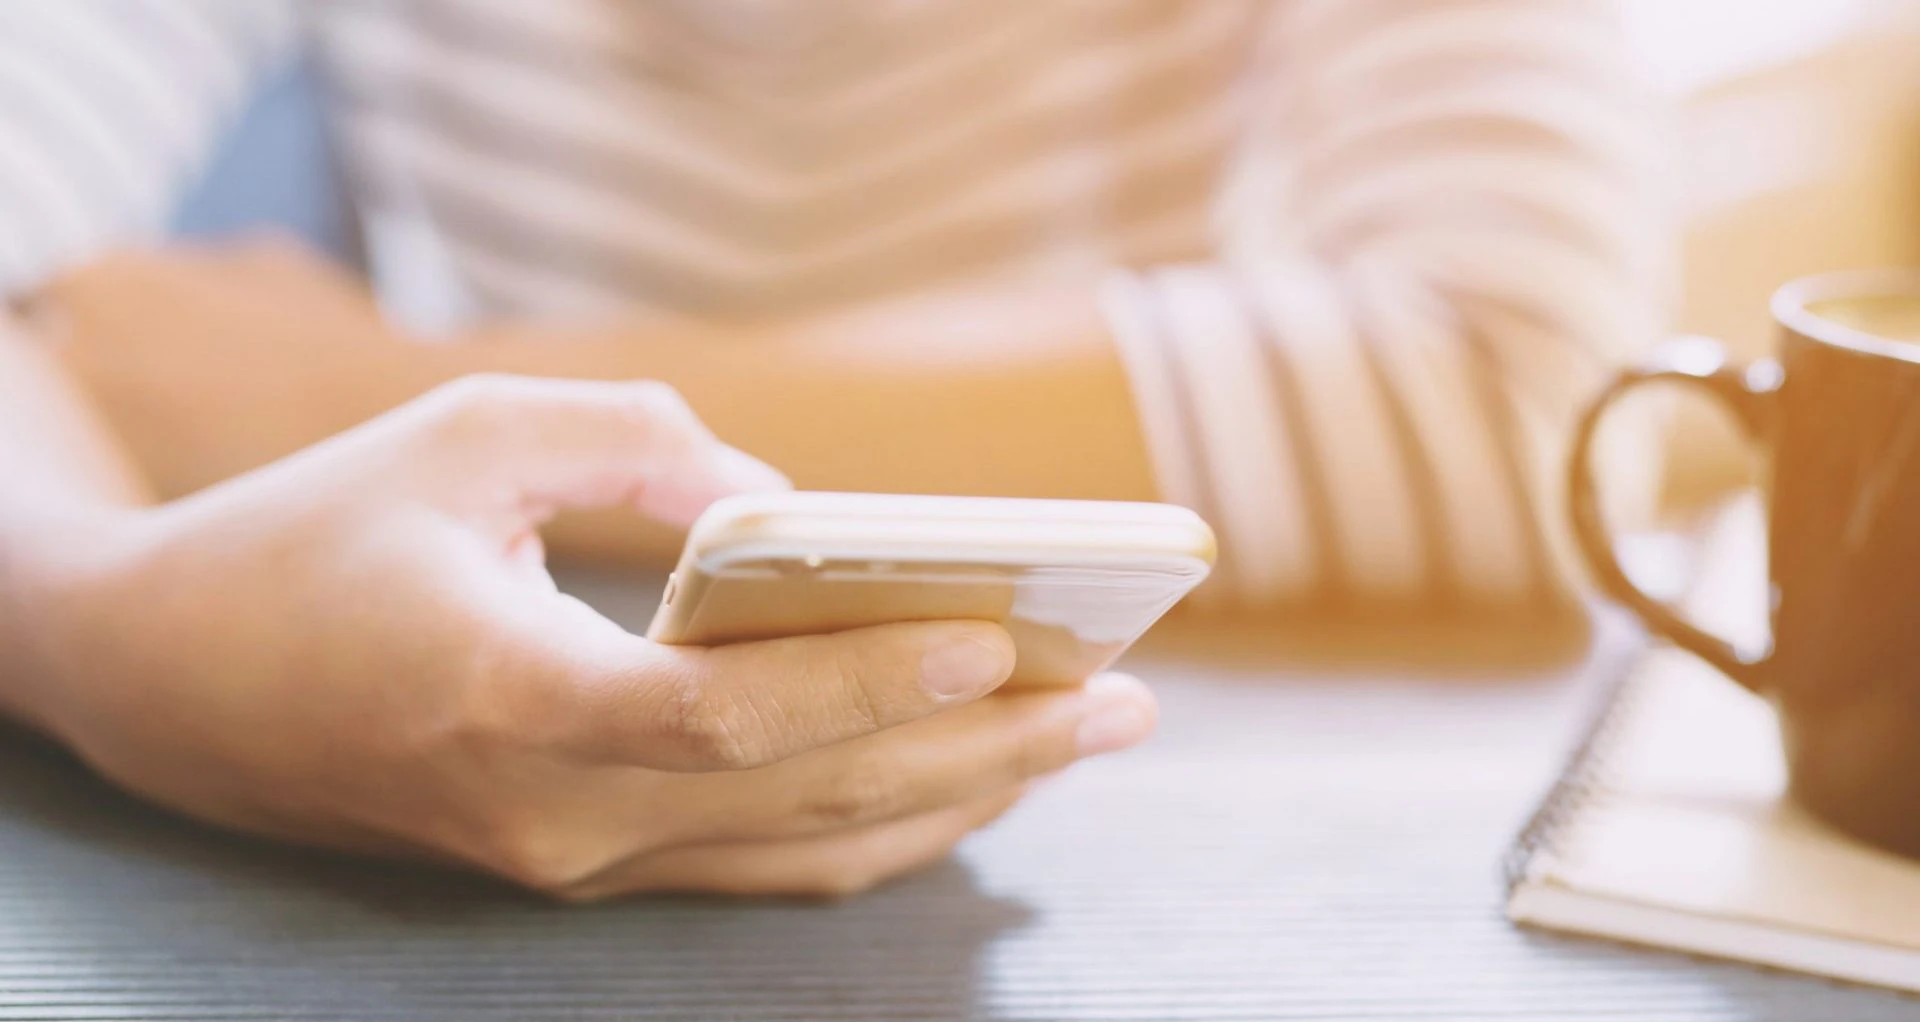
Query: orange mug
point(1837, 416)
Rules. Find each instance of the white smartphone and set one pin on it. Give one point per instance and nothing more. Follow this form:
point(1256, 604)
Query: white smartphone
point(1075, 582)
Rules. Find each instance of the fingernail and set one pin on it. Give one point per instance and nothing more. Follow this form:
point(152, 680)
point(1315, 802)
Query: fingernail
point(743, 473)
point(1120, 715)
point(965, 666)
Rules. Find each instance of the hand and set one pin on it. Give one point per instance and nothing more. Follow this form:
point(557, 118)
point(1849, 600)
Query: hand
point(359, 647)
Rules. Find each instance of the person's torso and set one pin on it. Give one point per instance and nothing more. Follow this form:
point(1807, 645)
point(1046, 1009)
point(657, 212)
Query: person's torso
point(746, 158)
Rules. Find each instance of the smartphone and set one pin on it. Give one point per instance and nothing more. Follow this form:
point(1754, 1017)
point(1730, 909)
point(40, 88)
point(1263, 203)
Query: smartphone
point(1075, 582)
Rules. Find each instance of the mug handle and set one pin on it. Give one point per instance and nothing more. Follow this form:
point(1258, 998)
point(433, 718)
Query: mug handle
point(1746, 391)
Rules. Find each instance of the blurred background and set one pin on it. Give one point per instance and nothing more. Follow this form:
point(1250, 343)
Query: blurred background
point(1799, 149)
point(1797, 134)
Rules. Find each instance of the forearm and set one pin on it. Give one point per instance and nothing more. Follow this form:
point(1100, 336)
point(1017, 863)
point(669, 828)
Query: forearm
point(1014, 394)
point(63, 479)
point(211, 364)
point(1009, 394)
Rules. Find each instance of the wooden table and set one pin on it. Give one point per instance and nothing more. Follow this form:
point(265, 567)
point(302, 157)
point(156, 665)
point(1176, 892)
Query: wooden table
point(1292, 846)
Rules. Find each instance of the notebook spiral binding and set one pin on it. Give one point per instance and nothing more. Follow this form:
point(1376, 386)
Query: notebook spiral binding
point(1580, 776)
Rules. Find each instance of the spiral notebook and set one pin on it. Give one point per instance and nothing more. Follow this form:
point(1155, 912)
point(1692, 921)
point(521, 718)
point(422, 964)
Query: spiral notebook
point(1669, 828)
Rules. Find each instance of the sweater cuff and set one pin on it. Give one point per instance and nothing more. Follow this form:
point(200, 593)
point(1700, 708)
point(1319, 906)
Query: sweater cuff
point(1204, 385)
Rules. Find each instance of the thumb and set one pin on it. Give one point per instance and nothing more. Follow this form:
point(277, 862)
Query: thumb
point(613, 698)
point(522, 448)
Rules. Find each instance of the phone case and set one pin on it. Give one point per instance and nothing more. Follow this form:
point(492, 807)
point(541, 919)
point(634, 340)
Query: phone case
point(1074, 582)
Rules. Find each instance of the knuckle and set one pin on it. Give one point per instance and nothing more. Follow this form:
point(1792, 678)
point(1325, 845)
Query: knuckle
point(659, 409)
point(862, 685)
point(712, 733)
point(483, 404)
point(660, 401)
point(663, 415)
point(862, 793)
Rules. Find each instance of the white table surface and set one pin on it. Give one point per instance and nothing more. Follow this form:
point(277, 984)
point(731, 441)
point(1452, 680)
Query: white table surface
point(1291, 846)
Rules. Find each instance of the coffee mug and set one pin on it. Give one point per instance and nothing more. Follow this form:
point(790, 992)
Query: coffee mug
point(1836, 415)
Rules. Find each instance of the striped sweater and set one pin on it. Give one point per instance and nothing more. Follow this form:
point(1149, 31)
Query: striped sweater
point(1360, 258)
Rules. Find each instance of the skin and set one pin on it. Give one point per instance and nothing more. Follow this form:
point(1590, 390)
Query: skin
point(358, 646)
point(177, 345)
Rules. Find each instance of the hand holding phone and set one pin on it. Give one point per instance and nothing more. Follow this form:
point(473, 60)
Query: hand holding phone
point(1074, 582)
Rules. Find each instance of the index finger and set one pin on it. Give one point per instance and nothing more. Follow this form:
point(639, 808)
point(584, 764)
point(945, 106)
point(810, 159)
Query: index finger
point(510, 449)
